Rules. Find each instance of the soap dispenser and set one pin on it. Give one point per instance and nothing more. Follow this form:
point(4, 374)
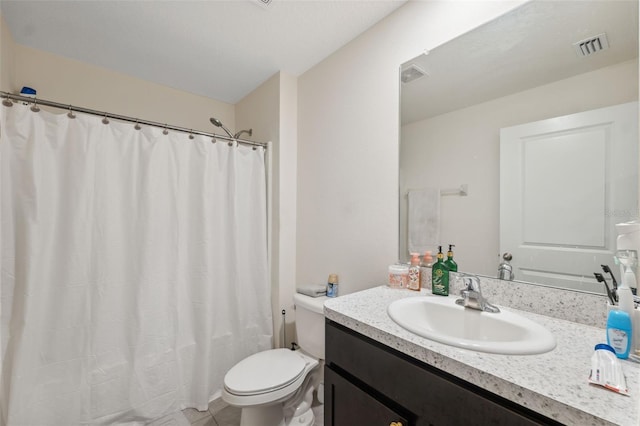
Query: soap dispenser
point(628, 259)
point(451, 265)
point(440, 276)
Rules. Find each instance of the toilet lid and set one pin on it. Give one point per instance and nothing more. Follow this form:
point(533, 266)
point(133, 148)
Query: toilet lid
point(264, 372)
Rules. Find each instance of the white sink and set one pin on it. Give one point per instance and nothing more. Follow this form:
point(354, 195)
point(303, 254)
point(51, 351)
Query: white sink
point(440, 319)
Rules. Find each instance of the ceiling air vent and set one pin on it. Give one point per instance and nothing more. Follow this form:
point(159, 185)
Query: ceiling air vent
point(412, 72)
point(591, 45)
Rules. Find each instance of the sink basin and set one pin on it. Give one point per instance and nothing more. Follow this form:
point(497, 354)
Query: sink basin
point(440, 319)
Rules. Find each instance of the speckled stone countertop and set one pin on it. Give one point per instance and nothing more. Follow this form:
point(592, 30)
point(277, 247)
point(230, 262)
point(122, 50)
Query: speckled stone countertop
point(554, 384)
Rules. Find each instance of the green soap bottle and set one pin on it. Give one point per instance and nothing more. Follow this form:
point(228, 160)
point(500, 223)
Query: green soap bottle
point(440, 276)
point(450, 263)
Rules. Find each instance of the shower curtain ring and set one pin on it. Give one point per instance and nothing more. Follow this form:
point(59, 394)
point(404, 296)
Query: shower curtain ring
point(165, 131)
point(6, 101)
point(191, 134)
point(105, 120)
point(214, 140)
point(70, 114)
point(137, 126)
point(35, 107)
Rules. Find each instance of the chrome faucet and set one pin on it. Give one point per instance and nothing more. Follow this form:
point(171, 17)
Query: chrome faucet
point(471, 296)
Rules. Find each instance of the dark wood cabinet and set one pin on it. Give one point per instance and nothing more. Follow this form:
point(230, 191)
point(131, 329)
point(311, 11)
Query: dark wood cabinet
point(354, 406)
point(370, 384)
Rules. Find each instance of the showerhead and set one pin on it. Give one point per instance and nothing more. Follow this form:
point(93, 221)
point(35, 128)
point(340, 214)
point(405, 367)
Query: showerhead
point(237, 135)
point(218, 123)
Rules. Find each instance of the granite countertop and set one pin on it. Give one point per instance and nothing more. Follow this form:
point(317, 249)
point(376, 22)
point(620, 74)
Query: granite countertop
point(553, 384)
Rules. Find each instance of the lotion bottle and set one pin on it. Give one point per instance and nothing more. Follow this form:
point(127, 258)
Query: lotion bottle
point(619, 332)
point(414, 272)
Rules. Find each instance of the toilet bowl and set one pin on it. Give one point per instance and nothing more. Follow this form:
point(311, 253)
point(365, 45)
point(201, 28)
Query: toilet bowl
point(275, 387)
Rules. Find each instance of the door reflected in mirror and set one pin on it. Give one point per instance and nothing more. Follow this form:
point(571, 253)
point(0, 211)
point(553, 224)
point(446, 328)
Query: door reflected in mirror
point(523, 67)
point(561, 179)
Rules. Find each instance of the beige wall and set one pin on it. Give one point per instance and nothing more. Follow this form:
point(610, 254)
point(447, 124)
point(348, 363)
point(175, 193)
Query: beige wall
point(259, 111)
point(68, 81)
point(271, 110)
point(6, 58)
point(472, 152)
point(348, 131)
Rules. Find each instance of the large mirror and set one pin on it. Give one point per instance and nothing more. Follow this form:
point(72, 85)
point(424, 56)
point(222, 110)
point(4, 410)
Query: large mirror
point(545, 60)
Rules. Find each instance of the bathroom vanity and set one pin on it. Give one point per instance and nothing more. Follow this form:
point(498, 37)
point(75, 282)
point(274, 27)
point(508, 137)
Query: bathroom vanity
point(378, 373)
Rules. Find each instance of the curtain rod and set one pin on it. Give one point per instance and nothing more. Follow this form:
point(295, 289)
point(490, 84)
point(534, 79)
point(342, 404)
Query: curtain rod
point(38, 101)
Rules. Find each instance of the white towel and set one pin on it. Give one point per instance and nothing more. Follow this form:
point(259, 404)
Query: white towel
point(424, 220)
point(312, 290)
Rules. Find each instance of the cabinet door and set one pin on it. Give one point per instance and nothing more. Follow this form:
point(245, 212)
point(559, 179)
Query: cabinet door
point(348, 405)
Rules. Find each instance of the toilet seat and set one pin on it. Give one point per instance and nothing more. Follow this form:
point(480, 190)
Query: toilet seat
point(264, 372)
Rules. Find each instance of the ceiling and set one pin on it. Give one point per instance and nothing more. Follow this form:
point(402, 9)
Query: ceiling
point(525, 48)
point(219, 49)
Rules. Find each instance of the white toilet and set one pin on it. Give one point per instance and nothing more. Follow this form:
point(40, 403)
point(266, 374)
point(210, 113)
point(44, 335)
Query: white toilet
point(275, 387)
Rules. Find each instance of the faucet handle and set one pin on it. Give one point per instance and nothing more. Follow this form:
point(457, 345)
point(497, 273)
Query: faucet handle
point(471, 295)
point(472, 283)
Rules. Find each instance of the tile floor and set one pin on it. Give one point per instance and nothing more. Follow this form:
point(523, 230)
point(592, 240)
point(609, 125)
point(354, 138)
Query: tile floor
point(221, 414)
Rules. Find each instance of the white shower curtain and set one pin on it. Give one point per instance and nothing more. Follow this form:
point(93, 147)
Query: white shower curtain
point(134, 268)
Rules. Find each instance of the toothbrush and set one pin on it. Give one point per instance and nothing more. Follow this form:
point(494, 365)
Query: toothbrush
point(601, 279)
point(606, 269)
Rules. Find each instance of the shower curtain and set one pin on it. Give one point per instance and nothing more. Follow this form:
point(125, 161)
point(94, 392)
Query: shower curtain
point(134, 268)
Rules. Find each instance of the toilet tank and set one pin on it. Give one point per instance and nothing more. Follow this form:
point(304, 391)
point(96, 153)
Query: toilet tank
point(310, 323)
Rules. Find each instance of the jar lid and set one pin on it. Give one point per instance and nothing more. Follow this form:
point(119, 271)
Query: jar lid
point(399, 268)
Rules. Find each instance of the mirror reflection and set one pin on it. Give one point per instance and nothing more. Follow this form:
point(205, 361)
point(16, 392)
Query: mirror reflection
point(543, 64)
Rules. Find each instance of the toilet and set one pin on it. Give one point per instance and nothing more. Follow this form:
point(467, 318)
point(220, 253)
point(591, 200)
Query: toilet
point(275, 387)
